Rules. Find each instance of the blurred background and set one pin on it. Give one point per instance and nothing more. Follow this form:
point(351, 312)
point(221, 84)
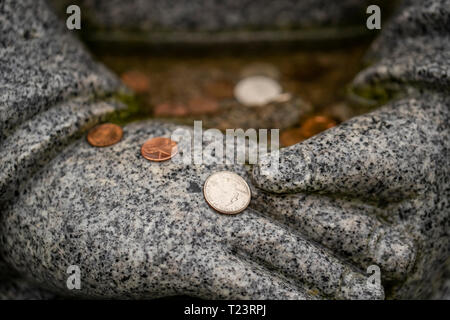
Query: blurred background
point(185, 59)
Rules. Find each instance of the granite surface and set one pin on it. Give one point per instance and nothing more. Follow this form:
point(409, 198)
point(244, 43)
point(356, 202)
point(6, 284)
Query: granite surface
point(231, 25)
point(443, 293)
point(374, 190)
point(396, 158)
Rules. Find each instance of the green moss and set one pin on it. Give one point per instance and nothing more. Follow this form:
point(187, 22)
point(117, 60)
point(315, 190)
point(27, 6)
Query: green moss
point(134, 109)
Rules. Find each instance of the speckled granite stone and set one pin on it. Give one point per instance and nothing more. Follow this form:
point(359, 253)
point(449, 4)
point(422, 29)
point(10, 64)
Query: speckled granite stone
point(5, 270)
point(443, 293)
point(413, 51)
point(21, 289)
point(42, 137)
point(396, 159)
point(50, 90)
point(13, 286)
point(41, 64)
point(232, 114)
point(179, 24)
point(376, 193)
point(219, 15)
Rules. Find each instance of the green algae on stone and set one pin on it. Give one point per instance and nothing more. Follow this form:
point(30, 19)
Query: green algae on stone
point(133, 111)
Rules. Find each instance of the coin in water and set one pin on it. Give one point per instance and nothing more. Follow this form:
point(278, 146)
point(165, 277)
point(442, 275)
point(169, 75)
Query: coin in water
point(200, 106)
point(219, 89)
point(171, 110)
point(256, 90)
point(227, 192)
point(292, 136)
point(260, 69)
point(104, 135)
point(159, 149)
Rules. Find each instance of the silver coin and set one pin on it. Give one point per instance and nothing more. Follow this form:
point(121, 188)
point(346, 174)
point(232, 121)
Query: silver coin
point(227, 192)
point(256, 90)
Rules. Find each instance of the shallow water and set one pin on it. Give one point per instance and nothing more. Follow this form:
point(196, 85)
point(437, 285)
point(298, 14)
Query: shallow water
point(187, 87)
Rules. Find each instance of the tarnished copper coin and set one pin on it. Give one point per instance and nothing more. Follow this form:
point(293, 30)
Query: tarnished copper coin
point(159, 149)
point(227, 192)
point(104, 135)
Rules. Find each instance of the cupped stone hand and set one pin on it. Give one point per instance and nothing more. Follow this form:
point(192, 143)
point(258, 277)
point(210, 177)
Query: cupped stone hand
point(383, 183)
point(142, 229)
point(135, 228)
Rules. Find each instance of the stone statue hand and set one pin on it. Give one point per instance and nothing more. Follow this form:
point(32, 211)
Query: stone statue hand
point(383, 183)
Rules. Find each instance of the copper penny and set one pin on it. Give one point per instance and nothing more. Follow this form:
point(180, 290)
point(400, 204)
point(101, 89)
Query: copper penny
point(292, 136)
point(159, 149)
point(136, 81)
point(171, 110)
point(104, 135)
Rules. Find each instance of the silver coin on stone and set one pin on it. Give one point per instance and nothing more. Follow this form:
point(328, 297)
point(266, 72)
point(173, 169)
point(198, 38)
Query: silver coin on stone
point(227, 192)
point(256, 90)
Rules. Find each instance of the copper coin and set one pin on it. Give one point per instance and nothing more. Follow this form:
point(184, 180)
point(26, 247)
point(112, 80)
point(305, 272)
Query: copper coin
point(136, 81)
point(219, 90)
point(171, 110)
point(104, 135)
point(315, 125)
point(201, 105)
point(159, 149)
point(256, 90)
point(292, 136)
